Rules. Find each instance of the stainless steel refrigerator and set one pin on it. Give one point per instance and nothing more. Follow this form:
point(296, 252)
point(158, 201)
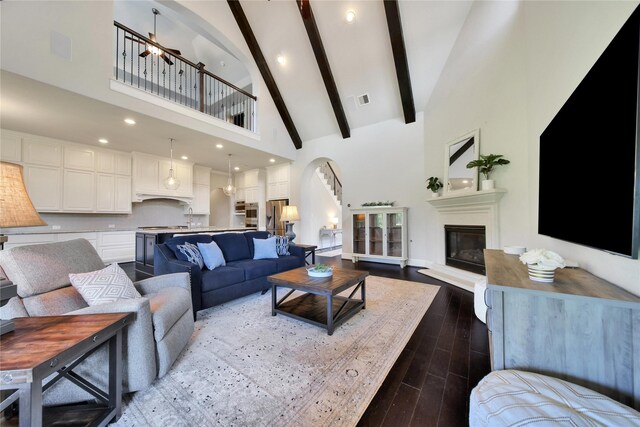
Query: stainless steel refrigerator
point(274, 209)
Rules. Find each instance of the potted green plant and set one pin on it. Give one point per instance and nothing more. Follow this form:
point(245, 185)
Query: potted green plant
point(434, 184)
point(485, 165)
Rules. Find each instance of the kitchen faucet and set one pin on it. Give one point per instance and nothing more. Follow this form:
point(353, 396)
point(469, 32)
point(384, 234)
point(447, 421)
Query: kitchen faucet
point(190, 218)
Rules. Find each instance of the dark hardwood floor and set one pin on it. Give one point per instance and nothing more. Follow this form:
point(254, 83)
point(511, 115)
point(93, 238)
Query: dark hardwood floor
point(447, 355)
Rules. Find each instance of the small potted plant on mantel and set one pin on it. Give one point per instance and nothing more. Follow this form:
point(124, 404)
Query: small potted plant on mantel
point(434, 184)
point(485, 165)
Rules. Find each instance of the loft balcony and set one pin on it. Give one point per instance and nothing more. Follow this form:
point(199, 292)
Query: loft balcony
point(148, 66)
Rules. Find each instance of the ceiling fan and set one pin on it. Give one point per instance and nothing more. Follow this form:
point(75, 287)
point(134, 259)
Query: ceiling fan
point(153, 49)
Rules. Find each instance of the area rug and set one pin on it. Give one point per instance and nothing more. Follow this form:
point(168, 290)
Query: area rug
point(245, 367)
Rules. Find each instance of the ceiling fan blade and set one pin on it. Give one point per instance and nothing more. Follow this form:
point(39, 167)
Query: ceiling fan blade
point(173, 51)
point(166, 59)
point(145, 53)
point(152, 37)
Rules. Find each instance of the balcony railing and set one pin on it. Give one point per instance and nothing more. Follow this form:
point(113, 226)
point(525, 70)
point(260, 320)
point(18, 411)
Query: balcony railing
point(179, 80)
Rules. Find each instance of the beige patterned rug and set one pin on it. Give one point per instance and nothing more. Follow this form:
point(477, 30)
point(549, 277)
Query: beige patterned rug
point(244, 367)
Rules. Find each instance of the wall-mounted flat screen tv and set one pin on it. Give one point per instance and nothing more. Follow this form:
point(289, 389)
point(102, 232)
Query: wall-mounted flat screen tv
point(589, 155)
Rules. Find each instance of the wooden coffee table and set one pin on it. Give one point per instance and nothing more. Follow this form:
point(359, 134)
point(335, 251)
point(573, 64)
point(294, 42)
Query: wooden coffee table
point(320, 304)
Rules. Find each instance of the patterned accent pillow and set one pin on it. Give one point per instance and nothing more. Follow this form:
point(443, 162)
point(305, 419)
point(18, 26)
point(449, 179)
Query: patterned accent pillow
point(191, 253)
point(282, 245)
point(104, 286)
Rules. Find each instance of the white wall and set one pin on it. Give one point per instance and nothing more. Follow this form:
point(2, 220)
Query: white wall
point(378, 163)
point(219, 204)
point(512, 68)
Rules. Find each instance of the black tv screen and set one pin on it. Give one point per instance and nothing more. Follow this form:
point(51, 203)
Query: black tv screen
point(589, 155)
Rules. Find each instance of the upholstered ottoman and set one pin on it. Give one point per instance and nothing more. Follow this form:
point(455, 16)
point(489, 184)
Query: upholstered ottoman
point(518, 398)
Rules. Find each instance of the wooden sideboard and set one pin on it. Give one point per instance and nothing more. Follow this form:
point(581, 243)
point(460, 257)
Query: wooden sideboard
point(580, 327)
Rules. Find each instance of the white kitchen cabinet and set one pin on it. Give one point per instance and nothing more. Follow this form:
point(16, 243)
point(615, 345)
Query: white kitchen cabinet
point(201, 191)
point(17, 240)
point(79, 158)
point(145, 173)
point(201, 175)
point(251, 195)
point(105, 192)
point(105, 161)
point(79, 191)
point(122, 202)
point(122, 164)
point(278, 182)
point(10, 147)
point(117, 246)
point(44, 185)
point(41, 151)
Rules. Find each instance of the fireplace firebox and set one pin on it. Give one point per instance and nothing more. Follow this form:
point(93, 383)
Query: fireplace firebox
point(464, 247)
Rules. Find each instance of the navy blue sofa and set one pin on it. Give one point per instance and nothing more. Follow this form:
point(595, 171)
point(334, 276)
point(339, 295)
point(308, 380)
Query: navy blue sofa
point(242, 275)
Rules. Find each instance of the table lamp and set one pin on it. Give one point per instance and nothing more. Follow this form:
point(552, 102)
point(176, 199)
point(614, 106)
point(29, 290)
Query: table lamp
point(17, 211)
point(335, 221)
point(289, 213)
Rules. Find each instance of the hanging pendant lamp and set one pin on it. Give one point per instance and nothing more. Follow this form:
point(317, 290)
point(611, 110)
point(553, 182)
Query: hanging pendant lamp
point(229, 189)
point(171, 182)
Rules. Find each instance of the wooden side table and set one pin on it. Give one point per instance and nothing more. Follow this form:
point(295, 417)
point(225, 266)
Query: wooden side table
point(41, 346)
point(308, 250)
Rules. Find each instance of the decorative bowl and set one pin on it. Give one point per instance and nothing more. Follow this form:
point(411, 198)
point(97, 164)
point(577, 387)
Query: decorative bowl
point(323, 273)
point(514, 250)
point(540, 274)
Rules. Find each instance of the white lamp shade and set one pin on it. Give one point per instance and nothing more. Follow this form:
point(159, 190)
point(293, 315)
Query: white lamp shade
point(289, 213)
point(17, 209)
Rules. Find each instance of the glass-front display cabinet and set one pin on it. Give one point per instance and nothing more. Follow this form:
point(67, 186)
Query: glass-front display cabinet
point(380, 234)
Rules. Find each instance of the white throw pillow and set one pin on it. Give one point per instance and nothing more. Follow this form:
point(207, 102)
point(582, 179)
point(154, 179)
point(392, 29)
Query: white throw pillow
point(104, 286)
point(265, 248)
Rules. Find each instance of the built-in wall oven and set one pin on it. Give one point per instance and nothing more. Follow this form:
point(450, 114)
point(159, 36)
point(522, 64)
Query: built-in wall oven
point(251, 215)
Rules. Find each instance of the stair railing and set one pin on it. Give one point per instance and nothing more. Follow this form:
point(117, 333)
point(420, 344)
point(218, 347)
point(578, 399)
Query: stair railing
point(180, 80)
point(332, 180)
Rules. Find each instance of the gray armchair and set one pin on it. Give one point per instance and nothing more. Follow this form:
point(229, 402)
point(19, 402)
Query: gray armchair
point(161, 329)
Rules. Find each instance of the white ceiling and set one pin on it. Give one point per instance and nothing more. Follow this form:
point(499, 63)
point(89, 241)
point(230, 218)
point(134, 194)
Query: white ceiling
point(359, 54)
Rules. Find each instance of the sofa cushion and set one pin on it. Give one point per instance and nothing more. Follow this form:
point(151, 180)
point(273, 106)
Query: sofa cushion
point(168, 305)
point(264, 248)
point(36, 269)
point(255, 268)
point(282, 245)
point(54, 303)
point(250, 235)
point(104, 286)
point(190, 253)
point(288, 262)
point(211, 255)
point(234, 246)
point(221, 277)
point(194, 239)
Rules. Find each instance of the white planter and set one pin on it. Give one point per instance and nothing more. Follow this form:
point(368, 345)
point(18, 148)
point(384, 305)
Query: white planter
point(435, 195)
point(538, 274)
point(487, 184)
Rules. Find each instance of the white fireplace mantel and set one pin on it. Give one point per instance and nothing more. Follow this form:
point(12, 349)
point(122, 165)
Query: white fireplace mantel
point(465, 208)
point(484, 197)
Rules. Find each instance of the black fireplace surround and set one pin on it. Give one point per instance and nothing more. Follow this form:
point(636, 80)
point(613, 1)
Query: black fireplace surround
point(464, 245)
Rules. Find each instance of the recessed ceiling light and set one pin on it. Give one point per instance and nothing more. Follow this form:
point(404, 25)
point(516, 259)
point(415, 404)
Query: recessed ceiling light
point(350, 16)
point(272, 160)
point(236, 168)
point(103, 141)
point(281, 59)
point(219, 145)
point(184, 158)
point(130, 121)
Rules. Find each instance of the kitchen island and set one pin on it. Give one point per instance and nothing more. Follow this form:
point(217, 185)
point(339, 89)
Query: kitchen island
point(148, 237)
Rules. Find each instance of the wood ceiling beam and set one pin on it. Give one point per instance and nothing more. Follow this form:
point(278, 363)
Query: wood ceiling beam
point(249, 37)
point(323, 64)
point(400, 59)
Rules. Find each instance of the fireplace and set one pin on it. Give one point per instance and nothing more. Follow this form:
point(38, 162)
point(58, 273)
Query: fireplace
point(464, 246)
